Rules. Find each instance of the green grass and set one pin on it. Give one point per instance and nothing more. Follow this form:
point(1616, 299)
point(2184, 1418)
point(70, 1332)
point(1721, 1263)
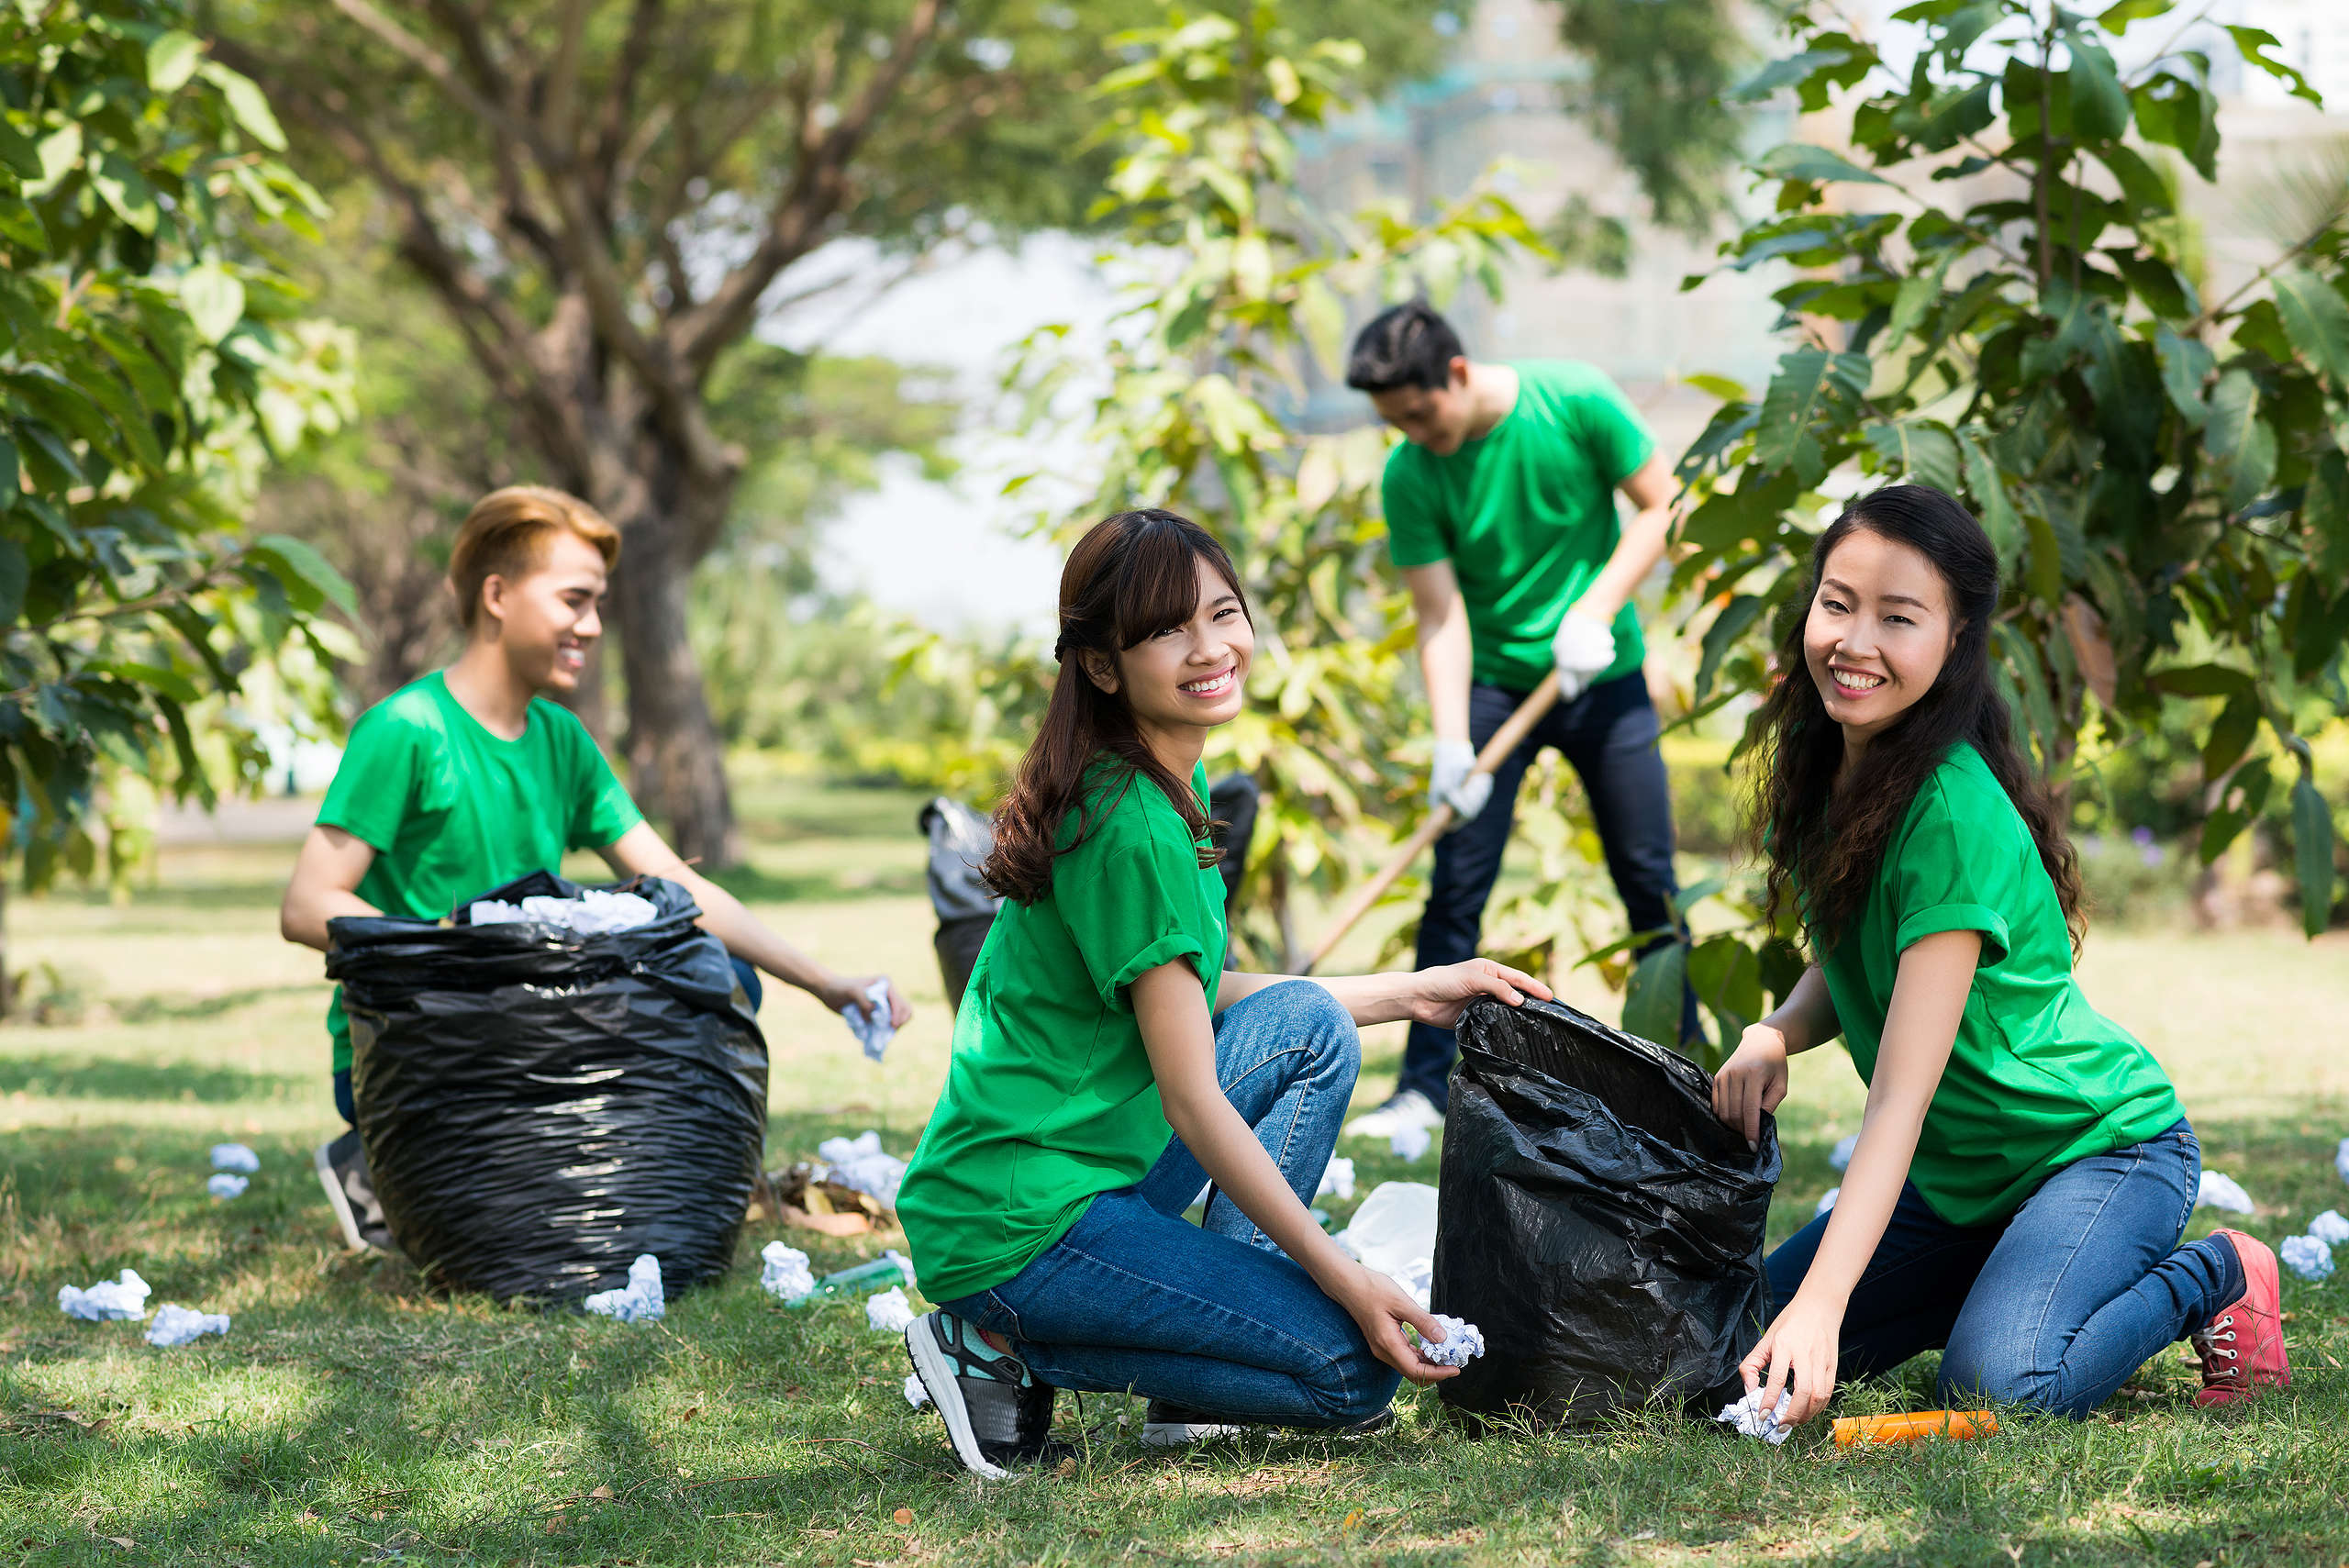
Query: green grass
point(350, 1417)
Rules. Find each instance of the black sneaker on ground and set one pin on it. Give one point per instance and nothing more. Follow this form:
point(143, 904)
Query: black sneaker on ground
point(996, 1412)
point(1167, 1425)
point(350, 1193)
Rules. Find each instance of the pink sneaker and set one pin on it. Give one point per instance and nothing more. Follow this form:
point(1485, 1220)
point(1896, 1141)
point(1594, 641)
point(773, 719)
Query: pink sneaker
point(2242, 1346)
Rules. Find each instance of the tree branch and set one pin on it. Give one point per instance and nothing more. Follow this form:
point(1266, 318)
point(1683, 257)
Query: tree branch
point(437, 66)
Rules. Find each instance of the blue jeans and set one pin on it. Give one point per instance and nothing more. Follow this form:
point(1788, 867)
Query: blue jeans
point(1212, 1317)
point(742, 972)
point(2053, 1308)
point(1609, 736)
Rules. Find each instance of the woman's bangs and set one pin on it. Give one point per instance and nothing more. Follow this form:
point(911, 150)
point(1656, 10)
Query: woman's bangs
point(1158, 584)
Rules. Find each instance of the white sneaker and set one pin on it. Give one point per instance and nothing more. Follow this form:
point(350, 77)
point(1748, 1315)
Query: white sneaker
point(1406, 1107)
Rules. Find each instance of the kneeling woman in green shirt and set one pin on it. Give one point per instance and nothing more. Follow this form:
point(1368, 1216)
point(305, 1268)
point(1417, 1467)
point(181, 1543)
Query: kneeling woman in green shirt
point(2024, 1171)
point(1105, 1068)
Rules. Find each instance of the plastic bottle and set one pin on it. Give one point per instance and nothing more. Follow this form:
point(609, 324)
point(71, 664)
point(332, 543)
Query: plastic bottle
point(888, 1269)
point(1912, 1426)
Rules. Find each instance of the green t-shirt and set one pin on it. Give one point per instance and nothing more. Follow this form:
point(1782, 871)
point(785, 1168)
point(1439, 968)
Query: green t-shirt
point(452, 810)
point(2037, 1078)
point(1526, 515)
point(1049, 1099)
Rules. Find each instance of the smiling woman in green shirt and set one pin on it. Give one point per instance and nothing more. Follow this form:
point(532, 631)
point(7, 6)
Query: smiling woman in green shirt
point(1107, 1068)
point(2023, 1171)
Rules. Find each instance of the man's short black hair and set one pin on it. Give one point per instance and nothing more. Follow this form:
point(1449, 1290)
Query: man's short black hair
point(1409, 345)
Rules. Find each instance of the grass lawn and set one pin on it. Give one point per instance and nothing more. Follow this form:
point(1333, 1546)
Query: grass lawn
point(350, 1417)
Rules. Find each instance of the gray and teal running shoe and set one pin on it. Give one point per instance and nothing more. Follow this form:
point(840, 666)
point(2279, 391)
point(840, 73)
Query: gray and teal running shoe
point(998, 1413)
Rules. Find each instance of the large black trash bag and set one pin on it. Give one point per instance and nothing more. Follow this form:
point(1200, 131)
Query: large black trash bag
point(540, 1106)
point(1597, 1222)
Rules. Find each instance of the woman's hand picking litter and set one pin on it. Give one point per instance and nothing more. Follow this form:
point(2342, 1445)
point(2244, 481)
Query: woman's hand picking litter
point(1753, 1080)
point(849, 991)
point(1380, 1308)
point(1438, 995)
point(1796, 1356)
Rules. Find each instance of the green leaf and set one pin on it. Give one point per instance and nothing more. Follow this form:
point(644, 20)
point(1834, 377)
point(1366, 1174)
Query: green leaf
point(2239, 804)
point(1802, 389)
point(2244, 443)
point(1801, 161)
point(247, 103)
point(16, 573)
point(2324, 509)
point(2253, 44)
point(2312, 855)
point(215, 300)
point(298, 563)
point(1721, 636)
point(1727, 977)
point(2046, 564)
point(1791, 71)
point(2099, 108)
point(1990, 501)
point(2231, 734)
point(2203, 680)
point(2317, 321)
point(1922, 449)
point(2187, 365)
point(172, 58)
point(2115, 20)
point(17, 152)
point(1652, 1001)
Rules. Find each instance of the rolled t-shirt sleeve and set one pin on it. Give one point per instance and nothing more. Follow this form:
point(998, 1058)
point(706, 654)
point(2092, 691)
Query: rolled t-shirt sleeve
point(374, 784)
point(1127, 909)
point(1954, 877)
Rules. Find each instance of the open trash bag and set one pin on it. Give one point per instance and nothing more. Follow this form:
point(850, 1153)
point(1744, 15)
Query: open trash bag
point(540, 1106)
point(1598, 1221)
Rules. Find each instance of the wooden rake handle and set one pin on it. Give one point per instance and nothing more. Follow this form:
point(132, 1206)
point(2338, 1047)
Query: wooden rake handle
point(1506, 739)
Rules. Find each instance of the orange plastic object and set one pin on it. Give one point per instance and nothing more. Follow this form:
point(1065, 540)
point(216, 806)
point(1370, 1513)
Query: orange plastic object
point(1912, 1425)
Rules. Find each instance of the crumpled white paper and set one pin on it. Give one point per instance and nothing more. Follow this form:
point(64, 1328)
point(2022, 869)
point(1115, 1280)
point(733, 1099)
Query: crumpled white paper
point(859, 1164)
point(888, 1311)
point(2307, 1256)
point(1751, 1419)
point(1336, 1179)
point(1842, 1157)
point(1827, 1201)
point(2330, 1228)
point(108, 1301)
point(783, 1273)
point(234, 1157)
point(2220, 1190)
point(638, 1300)
point(176, 1324)
point(594, 913)
point(224, 1185)
point(916, 1395)
point(1461, 1342)
point(874, 1033)
point(1409, 1142)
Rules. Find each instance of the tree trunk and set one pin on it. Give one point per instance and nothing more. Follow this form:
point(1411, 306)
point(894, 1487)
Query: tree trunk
point(675, 760)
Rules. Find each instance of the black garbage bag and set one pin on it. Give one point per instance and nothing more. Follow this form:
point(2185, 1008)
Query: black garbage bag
point(1597, 1222)
point(539, 1107)
point(960, 842)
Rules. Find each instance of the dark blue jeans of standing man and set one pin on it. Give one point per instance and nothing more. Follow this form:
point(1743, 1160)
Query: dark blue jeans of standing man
point(2052, 1308)
point(1212, 1317)
point(743, 973)
point(1609, 736)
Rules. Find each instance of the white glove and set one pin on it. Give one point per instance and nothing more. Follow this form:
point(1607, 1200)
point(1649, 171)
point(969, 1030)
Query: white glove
point(1584, 646)
point(1454, 781)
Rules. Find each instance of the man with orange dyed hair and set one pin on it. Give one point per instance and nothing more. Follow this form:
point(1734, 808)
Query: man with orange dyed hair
point(470, 778)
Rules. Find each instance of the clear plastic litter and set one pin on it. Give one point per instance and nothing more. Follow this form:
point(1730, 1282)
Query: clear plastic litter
point(1841, 1156)
point(890, 1312)
point(234, 1157)
point(2307, 1256)
point(176, 1324)
point(860, 1163)
point(1827, 1201)
point(224, 1185)
point(637, 1301)
point(108, 1301)
point(2341, 1160)
point(783, 1273)
point(1752, 1419)
point(1409, 1142)
point(873, 1031)
point(1337, 1180)
point(916, 1395)
point(2220, 1190)
point(2330, 1228)
point(1393, 1233)
point(594, 913)
point(1462, 1341)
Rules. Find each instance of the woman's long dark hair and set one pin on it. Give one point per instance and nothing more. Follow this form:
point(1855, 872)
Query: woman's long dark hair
point(1130, 576)
point(1826, 842)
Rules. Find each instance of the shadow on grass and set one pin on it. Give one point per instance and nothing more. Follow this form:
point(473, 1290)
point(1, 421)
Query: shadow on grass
point(58, 1075)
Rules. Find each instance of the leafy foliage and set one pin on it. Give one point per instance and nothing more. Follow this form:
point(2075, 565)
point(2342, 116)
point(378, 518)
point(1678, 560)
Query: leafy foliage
point(1207, 378)
point(153, 363)
point(1994, 296)
point(1660, 72)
